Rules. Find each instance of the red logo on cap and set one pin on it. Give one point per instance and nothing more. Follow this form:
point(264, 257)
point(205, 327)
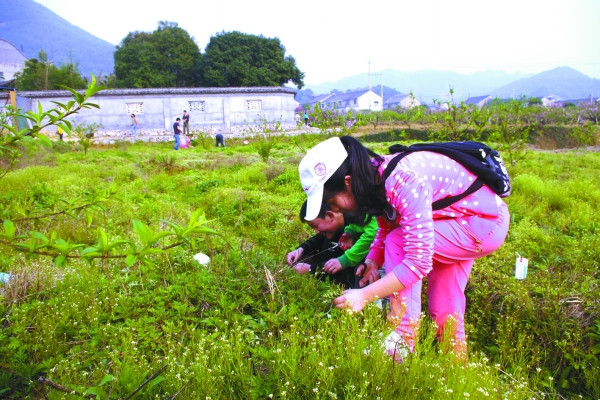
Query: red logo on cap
point(306, 188)
point(320, 169)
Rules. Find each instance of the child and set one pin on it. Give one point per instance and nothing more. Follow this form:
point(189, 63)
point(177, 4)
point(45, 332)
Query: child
point(334, 250)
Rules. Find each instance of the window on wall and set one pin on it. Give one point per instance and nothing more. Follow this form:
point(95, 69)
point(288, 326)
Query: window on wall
point(253, 105)
point(196, 106)
point(135, 108)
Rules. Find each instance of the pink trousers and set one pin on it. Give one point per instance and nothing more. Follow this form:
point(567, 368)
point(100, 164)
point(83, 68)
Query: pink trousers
point(456, 246)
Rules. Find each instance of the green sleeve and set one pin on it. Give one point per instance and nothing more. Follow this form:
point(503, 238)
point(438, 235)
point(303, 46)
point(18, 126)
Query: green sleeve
point(360, 249)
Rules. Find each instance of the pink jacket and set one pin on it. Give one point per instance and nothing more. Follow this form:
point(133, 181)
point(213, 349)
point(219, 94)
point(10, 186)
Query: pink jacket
point(418, 180)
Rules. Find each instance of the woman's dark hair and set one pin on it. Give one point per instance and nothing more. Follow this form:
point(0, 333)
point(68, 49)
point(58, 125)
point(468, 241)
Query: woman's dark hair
point(367, 186)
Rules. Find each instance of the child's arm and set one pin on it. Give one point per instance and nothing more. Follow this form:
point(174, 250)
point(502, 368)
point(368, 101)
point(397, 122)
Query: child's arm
point(305, 249)
point(360, 249)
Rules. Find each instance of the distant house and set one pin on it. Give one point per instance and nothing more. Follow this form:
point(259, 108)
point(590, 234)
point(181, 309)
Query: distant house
point(317, 98)
point(358, 100)
point(478, 101)
point(12, 60)
point(401, 100)
point(551, 100)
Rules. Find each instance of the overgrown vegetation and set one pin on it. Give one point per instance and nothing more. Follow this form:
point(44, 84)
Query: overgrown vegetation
point(160, 324)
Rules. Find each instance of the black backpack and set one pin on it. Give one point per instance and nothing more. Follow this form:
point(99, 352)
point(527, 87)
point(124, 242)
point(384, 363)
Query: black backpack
point(483, 161)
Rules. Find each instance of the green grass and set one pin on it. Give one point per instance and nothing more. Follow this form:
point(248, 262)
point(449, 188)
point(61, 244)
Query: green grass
point(247, 326)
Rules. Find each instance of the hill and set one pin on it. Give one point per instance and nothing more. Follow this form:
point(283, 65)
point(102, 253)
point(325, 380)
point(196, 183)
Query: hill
point(32, 27)
point(564, 82)
point(428, 85)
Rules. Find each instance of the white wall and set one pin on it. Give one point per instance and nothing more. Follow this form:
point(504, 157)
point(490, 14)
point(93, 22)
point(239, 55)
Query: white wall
point(224, 109)
point(363, 102)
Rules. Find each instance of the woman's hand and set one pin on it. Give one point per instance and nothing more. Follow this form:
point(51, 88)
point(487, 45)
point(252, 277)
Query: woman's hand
point(352, 299)
point(369, 270)
point(294, 256)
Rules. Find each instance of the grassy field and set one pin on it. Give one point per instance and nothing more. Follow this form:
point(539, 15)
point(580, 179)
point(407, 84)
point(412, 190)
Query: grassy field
point(246, 325)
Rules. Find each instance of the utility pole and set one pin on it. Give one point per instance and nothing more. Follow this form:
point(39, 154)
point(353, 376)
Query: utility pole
point(381, 91)
point(369, 75)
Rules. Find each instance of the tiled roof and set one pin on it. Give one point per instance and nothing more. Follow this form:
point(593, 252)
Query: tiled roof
point(476, 100)
point(137, 92)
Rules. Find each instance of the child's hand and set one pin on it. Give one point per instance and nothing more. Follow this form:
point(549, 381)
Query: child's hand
point(332, 266)
point(346, 241)
point(302, 268)
point(295, 255)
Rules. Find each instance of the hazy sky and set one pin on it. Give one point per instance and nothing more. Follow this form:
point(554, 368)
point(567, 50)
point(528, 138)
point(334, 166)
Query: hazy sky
point(333, 39)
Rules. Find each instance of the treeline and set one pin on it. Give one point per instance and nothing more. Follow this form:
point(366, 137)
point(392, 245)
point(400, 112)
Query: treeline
point(169, 57)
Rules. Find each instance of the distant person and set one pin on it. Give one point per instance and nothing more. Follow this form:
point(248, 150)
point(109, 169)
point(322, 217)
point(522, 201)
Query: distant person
point(305, 117)
point(220, 140)
point(60, 133)
point(186, 123)
point(134, 125)
point(177, 133)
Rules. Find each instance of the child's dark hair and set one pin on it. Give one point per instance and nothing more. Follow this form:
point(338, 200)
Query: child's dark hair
point(367, 186)
point(324, 208)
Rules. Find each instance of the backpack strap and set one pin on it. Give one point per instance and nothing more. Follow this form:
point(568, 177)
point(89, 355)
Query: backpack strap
point(443, 203)
point(439, 204)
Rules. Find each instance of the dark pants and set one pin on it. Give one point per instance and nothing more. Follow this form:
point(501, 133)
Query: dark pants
point(220, 140)
point(346, 277)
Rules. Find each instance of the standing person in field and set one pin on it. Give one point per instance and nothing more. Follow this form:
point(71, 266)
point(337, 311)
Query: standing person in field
point(60, 133)
point(337, 249)
point(186, 123)
point(134, 125)
point(413, 240)
point(177, 133)
point(305, 117)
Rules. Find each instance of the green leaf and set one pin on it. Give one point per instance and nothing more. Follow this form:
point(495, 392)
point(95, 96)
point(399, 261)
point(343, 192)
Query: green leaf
point(89, 250)
point(156, 381)
point(60, 260)
point(9, 229)
point(102, 240)
point(96, 391)
point(143, 231)
point(131, 259)
point(107, 378)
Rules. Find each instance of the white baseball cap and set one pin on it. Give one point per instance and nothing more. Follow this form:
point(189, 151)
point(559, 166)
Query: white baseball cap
point(316, 167)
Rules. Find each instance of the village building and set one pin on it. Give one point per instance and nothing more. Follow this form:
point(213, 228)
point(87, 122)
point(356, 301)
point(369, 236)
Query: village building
point(344, 102)
point(401, 100)
point(12, 60)
point(478, 101)
point(225, 110)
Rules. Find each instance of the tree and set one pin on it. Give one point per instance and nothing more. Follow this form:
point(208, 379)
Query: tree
point(239, 59)
point(167, 57)
point(41, 74)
